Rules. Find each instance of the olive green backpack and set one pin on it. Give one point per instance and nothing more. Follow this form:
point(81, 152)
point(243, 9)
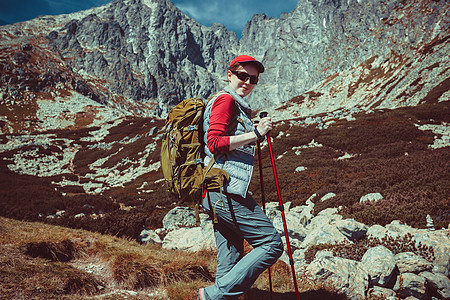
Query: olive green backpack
point(182, 153)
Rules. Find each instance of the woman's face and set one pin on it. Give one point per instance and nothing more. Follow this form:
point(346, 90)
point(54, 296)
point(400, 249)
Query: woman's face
point(243, 88)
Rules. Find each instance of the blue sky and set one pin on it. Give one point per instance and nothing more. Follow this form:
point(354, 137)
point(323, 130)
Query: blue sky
point(232, 13)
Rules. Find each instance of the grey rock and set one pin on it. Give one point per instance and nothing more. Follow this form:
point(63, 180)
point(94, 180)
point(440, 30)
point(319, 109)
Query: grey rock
point(273, 210)
point(326, 234)
point(381, 292)
point(295, 228)
point(379, 232)
point(179, 217)
point(149, 236)
point(330, 212)
point(306, 212)
point(380, 264)
point(408, 262)
point(327, 197)
point(438, 284)
point(442, 259)
point(375, 197)
point(191, 239)
point(409, 284)
point(401, 229)
point(438, 243)
point(346, 275)
point(352, 229)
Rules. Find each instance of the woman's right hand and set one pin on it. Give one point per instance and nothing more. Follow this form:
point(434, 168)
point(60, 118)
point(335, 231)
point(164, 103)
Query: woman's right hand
point(264, 126)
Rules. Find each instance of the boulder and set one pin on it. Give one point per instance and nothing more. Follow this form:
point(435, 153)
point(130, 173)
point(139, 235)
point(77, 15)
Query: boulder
point(149, 236)
point(272, 209)
point(371, 197)
point(401, 229)
point(381, 293)
point(331, 213)
point(380, 264)
point(408, 262)
point(295, 228)
point(306, 212)
point(409, 284)
point(321, 220)
point(191, 239)
point(438, 284)
point(294, 243)
point(346, 275)
point(439, 242)
point(327, 196)
point(179, 217)
point(352, 229)
point(299, 259)
point(442, 259)
point(327, 234)
point(380, 232)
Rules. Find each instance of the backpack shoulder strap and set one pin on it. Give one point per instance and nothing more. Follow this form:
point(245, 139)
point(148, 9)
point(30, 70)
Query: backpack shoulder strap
point(232, 126)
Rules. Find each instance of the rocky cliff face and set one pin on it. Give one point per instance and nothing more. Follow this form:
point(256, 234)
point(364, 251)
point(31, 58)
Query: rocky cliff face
point(140, 57)
point(321, 38)
point(134, 56)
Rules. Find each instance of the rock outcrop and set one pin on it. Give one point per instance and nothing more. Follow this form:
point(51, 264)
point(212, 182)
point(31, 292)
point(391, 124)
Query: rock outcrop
point(384, 268)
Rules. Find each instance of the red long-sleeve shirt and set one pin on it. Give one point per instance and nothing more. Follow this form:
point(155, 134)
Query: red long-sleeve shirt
point(221, 114)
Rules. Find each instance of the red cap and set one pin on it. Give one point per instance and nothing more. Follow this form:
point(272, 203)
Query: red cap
point(248, 59)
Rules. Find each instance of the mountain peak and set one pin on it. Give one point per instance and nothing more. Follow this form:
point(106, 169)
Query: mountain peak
point(144, 56)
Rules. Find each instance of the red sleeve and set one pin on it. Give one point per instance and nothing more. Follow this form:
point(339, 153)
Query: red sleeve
point(221, 114)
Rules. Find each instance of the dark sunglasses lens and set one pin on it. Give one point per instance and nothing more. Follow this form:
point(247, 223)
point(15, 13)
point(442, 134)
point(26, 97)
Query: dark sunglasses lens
point(244, 77)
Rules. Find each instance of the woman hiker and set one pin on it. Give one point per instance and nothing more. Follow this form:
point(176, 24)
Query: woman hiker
point(238, 215)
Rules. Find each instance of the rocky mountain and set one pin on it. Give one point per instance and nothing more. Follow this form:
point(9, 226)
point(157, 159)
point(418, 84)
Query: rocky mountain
point(392, 52)
point(358, 90)
point(139, 57)
point(136, 57)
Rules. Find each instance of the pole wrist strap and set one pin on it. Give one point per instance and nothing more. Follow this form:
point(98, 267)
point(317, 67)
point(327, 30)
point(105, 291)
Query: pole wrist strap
point(258, 135)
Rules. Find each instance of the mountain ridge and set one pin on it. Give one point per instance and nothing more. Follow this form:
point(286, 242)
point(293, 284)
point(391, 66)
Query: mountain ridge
point(133, 57)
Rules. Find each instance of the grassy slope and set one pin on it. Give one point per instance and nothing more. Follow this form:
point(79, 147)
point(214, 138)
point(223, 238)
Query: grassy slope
point(44, 261)
point(39, 261)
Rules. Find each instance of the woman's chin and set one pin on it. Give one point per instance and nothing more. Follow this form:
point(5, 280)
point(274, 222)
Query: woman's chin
point(243, 92)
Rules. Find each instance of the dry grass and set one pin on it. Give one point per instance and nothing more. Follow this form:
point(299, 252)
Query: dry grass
point(40, 261)
point(44, 261)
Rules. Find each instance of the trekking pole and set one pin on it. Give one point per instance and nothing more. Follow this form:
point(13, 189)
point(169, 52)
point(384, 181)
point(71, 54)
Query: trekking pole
point(281, 207)
point(263, 199)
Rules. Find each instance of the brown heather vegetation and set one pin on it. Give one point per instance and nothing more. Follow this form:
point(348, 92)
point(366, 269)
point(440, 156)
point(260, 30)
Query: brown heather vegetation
point(45, 261)
point(392, 158)
point(413, 185)
point(357, 250)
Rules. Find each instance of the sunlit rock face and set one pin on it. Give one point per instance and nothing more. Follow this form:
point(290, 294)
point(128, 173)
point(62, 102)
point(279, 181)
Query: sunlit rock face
point(140, 57)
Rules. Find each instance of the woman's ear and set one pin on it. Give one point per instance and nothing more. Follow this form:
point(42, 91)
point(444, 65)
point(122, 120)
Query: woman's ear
point(229, 75)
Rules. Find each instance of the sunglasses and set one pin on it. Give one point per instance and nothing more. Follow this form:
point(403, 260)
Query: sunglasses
point(244, 77)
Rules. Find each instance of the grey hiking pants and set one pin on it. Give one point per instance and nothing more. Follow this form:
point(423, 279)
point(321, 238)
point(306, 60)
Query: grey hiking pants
point(238, 219)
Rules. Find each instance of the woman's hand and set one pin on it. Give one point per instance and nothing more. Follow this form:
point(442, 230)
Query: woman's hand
point(264, 126)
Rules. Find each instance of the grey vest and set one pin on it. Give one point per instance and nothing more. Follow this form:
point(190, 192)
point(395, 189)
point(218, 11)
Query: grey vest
point(239, 162)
